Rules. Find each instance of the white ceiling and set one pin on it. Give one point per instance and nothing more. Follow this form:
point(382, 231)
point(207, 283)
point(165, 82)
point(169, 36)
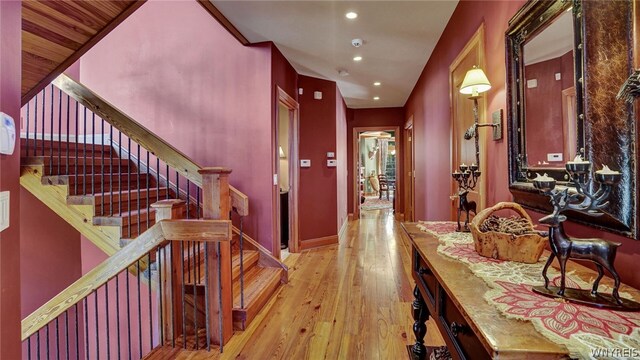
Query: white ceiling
point(315, 36)
point(554, 41)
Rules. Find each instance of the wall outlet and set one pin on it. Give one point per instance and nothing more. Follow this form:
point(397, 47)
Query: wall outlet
point(332, 163)
point(305, 163)
point(554, 157)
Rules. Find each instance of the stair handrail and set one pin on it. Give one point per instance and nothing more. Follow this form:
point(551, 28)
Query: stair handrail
point(157, 236)
point(143, 136)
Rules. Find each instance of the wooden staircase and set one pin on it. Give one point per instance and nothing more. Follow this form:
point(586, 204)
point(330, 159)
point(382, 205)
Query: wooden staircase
point(83, 186)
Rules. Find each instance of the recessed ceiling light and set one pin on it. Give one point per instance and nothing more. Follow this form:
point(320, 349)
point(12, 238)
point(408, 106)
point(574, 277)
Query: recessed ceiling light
point(351, 15)
point(377, 83)
point(376, 98)
point(357, 58)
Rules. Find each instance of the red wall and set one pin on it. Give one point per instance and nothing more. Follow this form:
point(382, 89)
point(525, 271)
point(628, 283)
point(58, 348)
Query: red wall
point(213, 104)
point(282, 74)
point(318, 183)
point(429, 103)
point(374, 117)
point(544, 107)
point(49, 253)
point(10, 61)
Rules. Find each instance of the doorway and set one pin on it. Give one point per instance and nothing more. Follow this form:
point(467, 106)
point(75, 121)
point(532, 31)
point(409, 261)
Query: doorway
point(286, 178)
point(463, 151)
point(376, 151)
point(410, 172)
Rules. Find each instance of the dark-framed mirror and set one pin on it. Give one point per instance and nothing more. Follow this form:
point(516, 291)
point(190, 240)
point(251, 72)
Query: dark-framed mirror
point(566, 61)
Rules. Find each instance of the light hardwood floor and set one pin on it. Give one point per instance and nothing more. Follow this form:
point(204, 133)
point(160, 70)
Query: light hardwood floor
point(346, 301)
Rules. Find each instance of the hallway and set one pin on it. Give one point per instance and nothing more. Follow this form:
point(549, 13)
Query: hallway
point(350, 301)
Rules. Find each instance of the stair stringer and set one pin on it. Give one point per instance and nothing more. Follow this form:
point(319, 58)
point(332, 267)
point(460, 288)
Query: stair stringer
point(106, 238)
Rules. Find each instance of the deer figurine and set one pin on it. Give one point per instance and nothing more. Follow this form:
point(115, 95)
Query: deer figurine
point(601, 252)
point(466, 206)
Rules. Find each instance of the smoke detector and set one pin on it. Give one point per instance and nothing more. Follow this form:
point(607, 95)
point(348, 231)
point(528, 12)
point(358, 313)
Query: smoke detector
point(343, 72)
point(357, 42)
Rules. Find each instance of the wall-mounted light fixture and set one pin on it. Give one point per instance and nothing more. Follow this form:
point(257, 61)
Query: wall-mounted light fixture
point(475, 82)
point(282, 156)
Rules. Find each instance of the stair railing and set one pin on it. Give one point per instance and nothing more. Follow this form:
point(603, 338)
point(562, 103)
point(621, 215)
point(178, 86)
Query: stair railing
point(109, 313)
point(110, 160)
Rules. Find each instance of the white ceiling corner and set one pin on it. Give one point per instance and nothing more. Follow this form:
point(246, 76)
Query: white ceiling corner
point(315, 36)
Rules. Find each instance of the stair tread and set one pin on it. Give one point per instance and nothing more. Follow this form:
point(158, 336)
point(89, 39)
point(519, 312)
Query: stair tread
point(256, 280)
point(250, 259)
point(124, 218)
point(88, 199)
point(46, 160)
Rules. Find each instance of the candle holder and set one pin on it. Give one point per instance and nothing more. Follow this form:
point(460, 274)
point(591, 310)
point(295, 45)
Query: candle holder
point(601, 252)
point(467, 179)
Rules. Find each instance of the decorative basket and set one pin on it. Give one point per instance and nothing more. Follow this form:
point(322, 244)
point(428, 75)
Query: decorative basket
point(526, 247)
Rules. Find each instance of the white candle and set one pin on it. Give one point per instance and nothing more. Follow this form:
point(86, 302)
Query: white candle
point(606, 171)
point(544, 177)
point(578, 160)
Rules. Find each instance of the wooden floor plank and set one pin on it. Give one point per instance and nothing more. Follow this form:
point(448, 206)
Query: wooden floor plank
point(346, 301)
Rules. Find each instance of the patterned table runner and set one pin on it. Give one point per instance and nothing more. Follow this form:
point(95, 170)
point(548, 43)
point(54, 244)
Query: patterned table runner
point(588, 333)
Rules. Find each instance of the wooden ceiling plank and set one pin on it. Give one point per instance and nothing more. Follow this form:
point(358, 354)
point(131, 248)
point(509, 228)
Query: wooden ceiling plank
point(44, 48)
point(53, 36)
point(79, 14)
point(116, 7)
point(96, 12)
point(49, 76)
point(99, 9)
point(50, 8)
point(54, 24)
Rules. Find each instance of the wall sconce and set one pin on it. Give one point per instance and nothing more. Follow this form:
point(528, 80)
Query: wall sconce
point(282, 156)
point(475, 82)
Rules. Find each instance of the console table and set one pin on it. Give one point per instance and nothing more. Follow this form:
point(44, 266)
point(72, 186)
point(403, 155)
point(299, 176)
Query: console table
point(447, 291)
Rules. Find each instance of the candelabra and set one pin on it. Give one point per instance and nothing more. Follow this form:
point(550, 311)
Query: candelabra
point(601, 252)
point(467, 179)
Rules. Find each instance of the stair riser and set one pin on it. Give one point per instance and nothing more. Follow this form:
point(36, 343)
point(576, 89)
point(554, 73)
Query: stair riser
point(88, 170)
point(124, 233)
point(80, 153)
point(62, 143)
point(87, 190)
point(109, 182)
point(109, 208)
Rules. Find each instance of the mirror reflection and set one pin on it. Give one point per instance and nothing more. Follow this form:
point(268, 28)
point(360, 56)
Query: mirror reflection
point(549, 95)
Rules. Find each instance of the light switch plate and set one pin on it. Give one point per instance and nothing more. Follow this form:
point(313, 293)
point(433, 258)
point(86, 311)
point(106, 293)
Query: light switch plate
point(533, 83)
point(554, 157)
point(331, 154)
point(332, 163)
point(4, 210)
point(305, 163)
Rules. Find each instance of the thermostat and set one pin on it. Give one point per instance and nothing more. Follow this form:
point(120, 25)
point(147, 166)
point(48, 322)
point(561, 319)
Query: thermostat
point(7, 134)
point(305, 163)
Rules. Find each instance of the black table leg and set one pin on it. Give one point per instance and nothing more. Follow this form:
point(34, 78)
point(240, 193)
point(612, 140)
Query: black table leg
point(420, 315)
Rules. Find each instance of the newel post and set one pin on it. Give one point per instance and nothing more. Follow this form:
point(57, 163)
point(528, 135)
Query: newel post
point(216, 204)
point(170, 276)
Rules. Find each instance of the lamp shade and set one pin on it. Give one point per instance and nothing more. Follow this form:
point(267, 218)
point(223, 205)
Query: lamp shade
point(282, 156)
point(475, 82)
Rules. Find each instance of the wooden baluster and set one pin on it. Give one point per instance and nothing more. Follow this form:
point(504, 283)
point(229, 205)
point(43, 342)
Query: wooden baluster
point(216, 204)
point(171, 276)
